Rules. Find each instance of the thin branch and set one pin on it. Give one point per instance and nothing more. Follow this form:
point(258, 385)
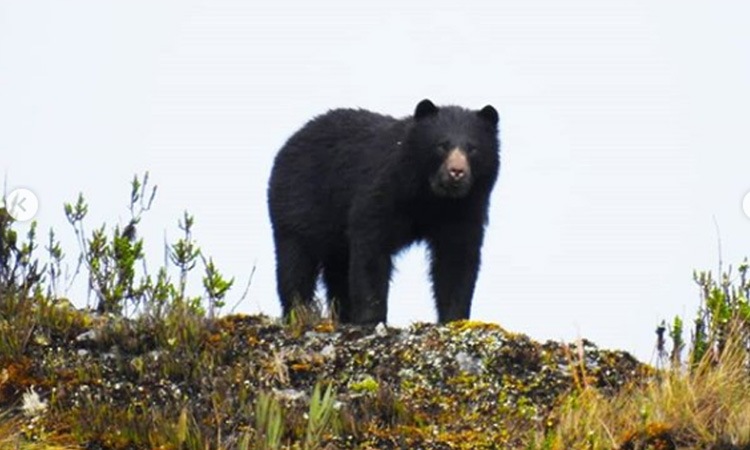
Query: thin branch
point(247, 289)
point(718, 240)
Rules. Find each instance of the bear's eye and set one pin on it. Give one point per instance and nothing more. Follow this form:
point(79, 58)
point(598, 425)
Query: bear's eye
point(443, 147)
point(471, 149)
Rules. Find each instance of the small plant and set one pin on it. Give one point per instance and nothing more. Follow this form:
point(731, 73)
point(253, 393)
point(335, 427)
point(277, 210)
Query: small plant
point(678, 344)
point(268, 422)
point(187, 433)
point(366, 385)
point(184, 253)
point(54, 268)
point(20, 271)
point(724, 304)
point(111, 262)
point(20, 284)
point(216, 287)
point(304, 317)
point(320, 416)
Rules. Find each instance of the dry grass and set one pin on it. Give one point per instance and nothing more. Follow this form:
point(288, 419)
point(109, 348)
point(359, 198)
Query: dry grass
point(706, 406)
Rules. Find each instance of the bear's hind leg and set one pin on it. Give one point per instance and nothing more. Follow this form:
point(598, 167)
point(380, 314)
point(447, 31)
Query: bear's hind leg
point(296, 273)
point(336, 279)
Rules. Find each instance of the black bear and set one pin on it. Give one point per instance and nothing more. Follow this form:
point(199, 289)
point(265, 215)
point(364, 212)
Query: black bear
point(352, 188)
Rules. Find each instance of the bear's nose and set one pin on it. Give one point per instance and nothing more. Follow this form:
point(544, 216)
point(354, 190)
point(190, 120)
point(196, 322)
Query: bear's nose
point(457, 165)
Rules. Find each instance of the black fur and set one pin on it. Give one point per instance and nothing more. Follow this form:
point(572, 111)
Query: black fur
point(352, 188)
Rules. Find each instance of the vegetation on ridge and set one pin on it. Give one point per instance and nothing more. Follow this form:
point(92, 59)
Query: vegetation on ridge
point(149, 366)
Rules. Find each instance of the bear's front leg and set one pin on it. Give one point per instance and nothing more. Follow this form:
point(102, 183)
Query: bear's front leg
point(455, 253)
point(369, 277)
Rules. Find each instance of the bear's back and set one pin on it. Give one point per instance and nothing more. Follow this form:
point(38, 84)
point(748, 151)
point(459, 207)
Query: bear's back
point(321, 167)
point(345, 125)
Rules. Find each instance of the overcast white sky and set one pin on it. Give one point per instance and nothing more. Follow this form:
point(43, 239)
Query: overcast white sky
point(623, 127)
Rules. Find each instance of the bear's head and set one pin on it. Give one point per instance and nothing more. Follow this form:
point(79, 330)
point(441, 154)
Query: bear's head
point(458, 148)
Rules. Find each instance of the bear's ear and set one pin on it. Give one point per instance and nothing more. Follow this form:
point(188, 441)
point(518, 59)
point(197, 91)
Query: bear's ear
point(425, 108)
point(490, 114)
